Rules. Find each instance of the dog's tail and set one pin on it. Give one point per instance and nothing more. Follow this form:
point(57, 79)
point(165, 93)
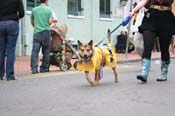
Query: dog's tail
point(109, 36)
point(110, 45)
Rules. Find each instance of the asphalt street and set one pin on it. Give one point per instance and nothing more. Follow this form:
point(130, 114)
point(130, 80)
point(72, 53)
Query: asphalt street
point(69, 94)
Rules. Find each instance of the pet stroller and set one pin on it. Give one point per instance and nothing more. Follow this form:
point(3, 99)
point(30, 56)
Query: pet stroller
point(61, 51)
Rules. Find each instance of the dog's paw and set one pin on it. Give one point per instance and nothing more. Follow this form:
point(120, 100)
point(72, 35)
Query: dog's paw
point(95, 83)
point(91, 83)
point(116, 81)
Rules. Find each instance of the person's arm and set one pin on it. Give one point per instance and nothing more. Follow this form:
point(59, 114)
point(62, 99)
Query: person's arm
point(21, 11)
point(141, 4)
point(32, 22)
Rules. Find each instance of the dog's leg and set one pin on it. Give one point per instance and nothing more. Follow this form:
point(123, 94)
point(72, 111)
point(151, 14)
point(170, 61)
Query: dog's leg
point(88, 78)
point(115, 74)
point(96, 79)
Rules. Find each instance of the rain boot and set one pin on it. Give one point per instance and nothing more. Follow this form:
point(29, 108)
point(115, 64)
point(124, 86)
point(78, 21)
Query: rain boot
point(145, 70)
point(164, 71)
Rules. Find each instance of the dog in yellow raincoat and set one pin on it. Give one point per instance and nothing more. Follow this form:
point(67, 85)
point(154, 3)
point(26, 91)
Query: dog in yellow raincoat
point(93, 59)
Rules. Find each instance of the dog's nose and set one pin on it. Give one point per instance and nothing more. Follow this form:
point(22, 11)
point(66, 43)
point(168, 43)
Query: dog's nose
point(85, 56)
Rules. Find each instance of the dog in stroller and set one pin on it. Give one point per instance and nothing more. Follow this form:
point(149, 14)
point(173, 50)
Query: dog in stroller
point(61, 51)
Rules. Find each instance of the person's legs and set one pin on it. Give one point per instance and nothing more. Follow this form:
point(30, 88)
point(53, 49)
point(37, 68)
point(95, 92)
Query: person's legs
point(156, 46)
point(45, 51)
point(2, 49)
point(35, 53)
point(149, 41)
point(164, 41)
point(12, 36)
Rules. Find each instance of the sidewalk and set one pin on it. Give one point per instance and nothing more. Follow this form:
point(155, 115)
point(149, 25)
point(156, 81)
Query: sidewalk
point(22, 65)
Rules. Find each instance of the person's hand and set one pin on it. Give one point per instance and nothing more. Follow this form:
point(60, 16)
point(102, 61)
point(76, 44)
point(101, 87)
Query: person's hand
point(52, 20)
point(131, 13)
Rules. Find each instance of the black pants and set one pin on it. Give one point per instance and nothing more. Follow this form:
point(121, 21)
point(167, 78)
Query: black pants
point(149, 42)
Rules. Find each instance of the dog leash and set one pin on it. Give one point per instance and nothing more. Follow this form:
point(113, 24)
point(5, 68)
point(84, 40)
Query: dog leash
point(123, 23)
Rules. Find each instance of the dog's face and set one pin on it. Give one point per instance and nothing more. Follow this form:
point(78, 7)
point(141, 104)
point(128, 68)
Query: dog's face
point(86, 51)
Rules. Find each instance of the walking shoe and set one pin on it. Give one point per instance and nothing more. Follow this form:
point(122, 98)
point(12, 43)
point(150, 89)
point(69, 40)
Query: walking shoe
point(10, 79)
point(34, 72)
point(44, 70)
point(1, 78)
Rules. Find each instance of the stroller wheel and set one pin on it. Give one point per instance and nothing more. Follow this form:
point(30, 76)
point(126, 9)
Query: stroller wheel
point(63, 66)
point(69, 65)
point(75, 64)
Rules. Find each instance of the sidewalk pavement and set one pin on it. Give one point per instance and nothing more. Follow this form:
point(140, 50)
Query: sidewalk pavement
point(22, 64)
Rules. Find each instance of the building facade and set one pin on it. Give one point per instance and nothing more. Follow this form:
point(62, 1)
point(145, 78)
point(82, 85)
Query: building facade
point(87, 20)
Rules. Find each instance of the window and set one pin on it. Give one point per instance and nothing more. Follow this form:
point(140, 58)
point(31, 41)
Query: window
point(105, 10)
point(32, 3)
point(75, 7)
point(123, 2)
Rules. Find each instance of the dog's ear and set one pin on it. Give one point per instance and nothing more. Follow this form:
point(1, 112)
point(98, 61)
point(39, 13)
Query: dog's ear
point(79, 43)
point(90, 43)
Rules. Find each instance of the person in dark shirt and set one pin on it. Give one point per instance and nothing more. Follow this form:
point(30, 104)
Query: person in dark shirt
point(158, 22)
point(10, 13)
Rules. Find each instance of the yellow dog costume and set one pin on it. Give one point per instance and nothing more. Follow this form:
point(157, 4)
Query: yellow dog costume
point(101, 56)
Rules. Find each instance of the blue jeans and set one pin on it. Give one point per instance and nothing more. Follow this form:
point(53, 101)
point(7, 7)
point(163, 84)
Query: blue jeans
point(9, 31)
point(41, 40)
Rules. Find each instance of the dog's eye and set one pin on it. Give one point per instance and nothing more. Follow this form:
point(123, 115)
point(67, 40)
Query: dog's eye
point(88, 50)
point(82, 50)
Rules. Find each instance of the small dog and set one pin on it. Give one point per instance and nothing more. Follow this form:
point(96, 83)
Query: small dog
point(93, 59)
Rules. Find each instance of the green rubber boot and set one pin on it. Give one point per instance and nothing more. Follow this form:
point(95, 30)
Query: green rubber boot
point(145, 70)
point(164, 71)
